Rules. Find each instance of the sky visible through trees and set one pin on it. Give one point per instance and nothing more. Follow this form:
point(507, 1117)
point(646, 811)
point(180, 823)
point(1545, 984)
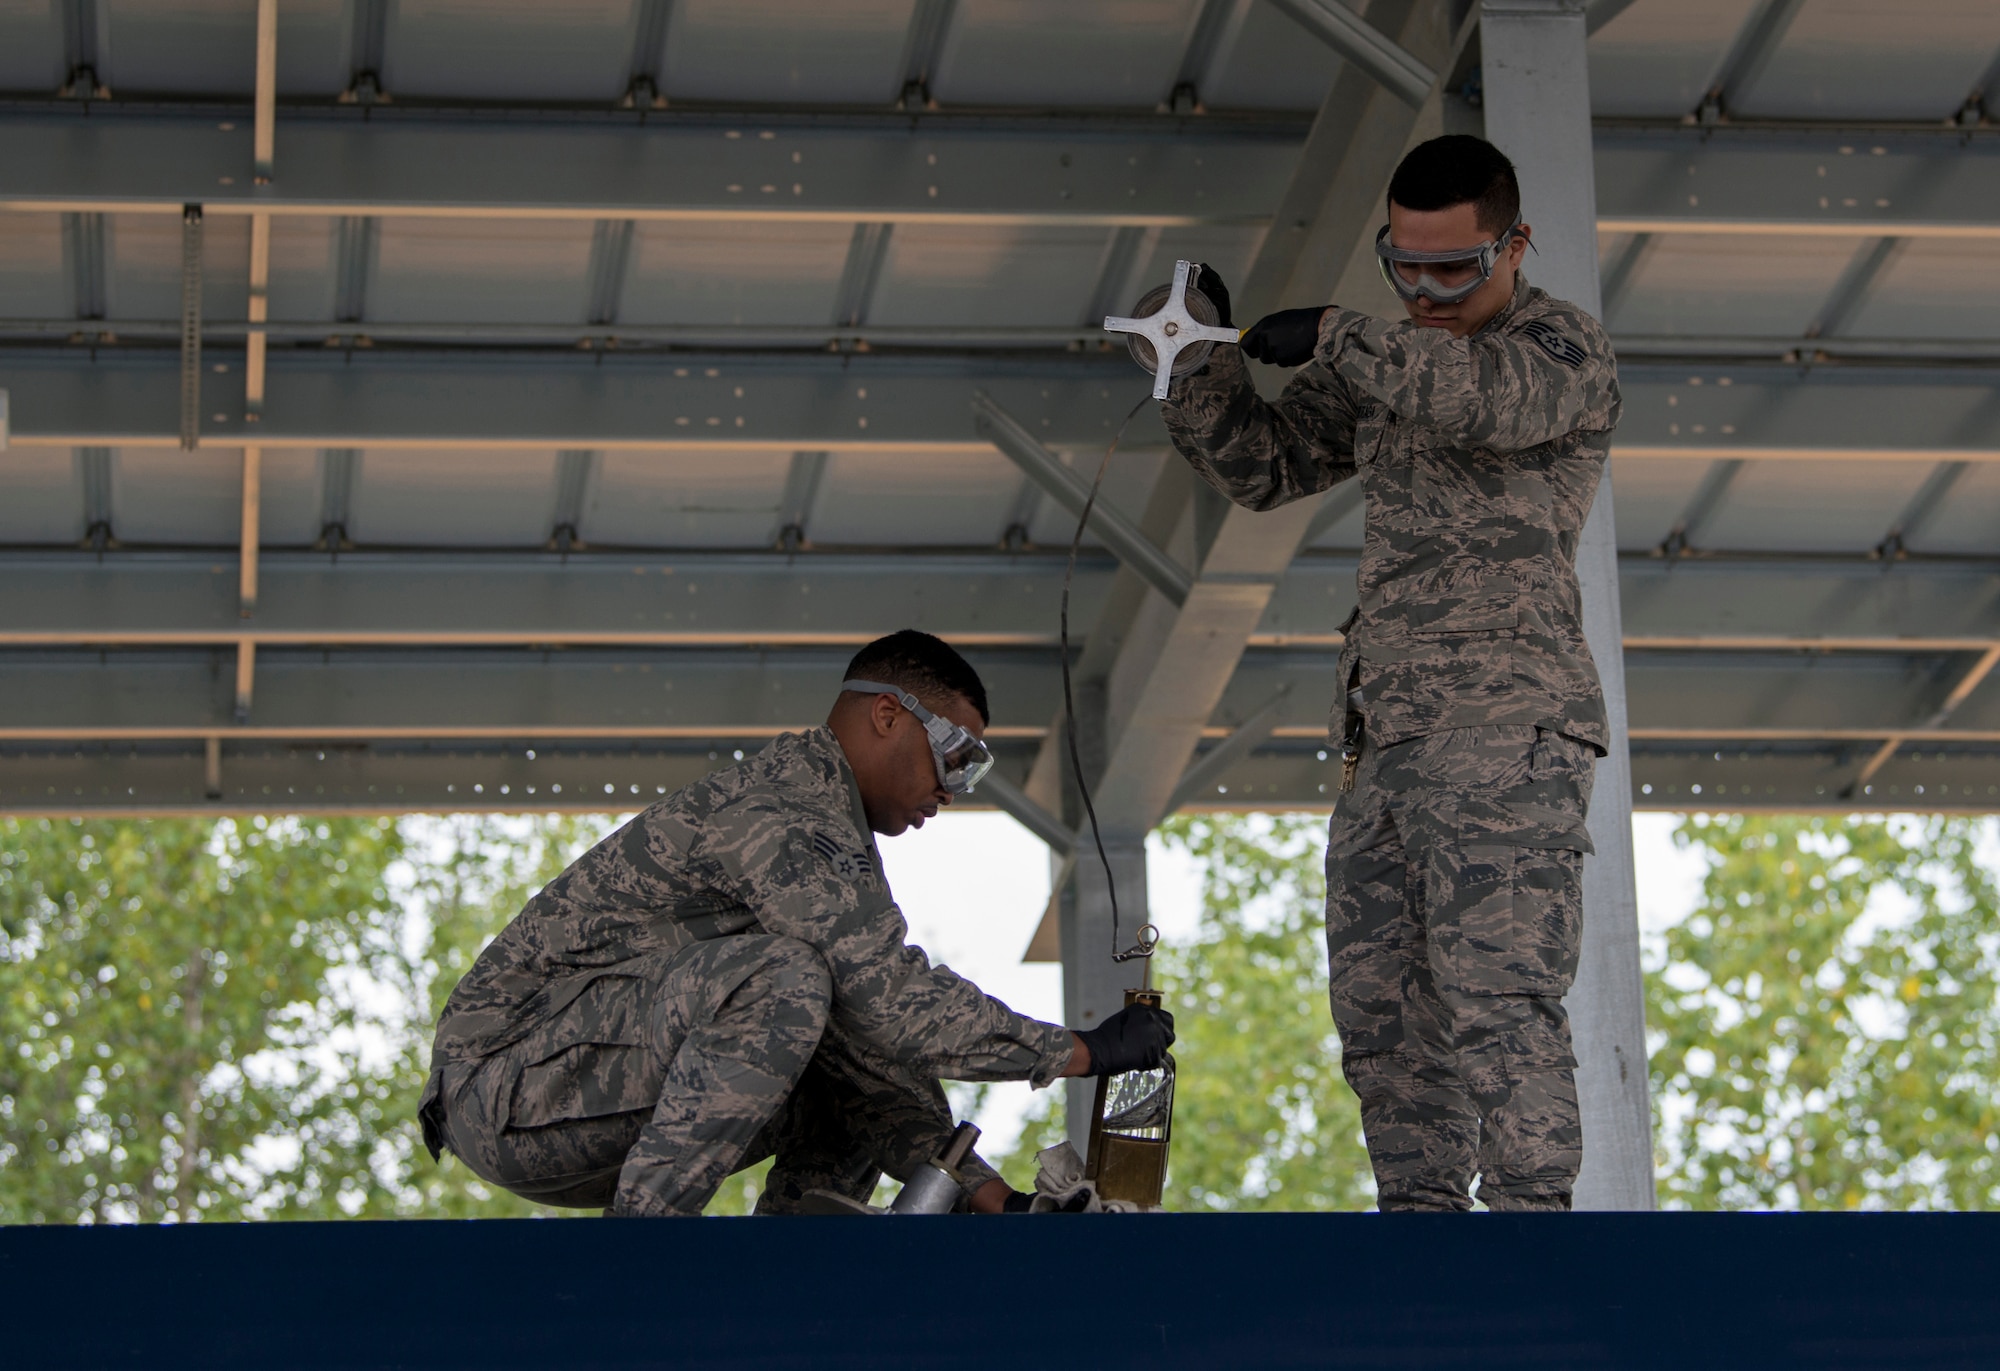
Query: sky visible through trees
point(229, 1019)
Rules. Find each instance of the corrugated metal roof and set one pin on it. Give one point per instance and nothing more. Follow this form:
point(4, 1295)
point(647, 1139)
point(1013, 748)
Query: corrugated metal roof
point(103, 281)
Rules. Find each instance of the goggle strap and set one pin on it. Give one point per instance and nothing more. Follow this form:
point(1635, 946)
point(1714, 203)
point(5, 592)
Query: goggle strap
point(903, 697)
point(1485, 253)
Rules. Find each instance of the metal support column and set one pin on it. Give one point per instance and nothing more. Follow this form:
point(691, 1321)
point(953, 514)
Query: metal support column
point(263, 155)
point(1537, 106)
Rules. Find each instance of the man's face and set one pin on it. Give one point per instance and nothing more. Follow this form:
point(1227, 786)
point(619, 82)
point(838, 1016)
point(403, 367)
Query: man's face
point(1446, 230)
point(904, 790)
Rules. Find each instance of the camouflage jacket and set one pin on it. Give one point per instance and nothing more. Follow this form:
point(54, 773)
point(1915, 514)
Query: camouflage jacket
point(1478, 459)
point(776, 844)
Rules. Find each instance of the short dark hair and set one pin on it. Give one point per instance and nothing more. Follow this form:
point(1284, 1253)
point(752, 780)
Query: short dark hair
point(924, 665)
point(1459, 169)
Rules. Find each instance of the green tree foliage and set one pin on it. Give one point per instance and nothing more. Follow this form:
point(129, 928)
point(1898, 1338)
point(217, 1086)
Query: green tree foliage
point(164, 988)
point(1825, 1032)
point(1262, 1118)
point(230, 1018)
point(463, 878)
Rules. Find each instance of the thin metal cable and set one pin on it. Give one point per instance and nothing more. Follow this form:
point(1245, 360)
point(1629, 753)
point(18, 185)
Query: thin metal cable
point(1069, 697)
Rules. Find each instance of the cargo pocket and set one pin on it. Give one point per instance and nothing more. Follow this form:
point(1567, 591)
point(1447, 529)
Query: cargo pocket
point(1461, 634)
point(585, 1081)
point(1512, 922)
point(1433, 608)
point(593, 1060)
point(1562, 772)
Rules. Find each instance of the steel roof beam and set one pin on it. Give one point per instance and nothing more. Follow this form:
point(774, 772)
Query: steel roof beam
point(1982, 102)
point(1698, 411)
point(83, 245)
point(1003, 794)
point(866, 252)
point(1209, 39)
point(609, 696)
point(1962, 684)
point(1012, 170)
point(337, 473)
point(613, 695)
point(844, 599)
point(644, 88)
point(1967, 354)
point(366, 47)
point(93, 470)
point(1621, 271)
point(847, 334)
point(1209, 766)
point(1923, 506)
point(1113, 527)
point(1856, 283)
point(600, 599)
point(1601, 12)
point(1126, 251)
point(795, 506)
point(202, 777)
point(1913, 183)
point(610, 253)
point(754, 341)
point(1702, 507)
point(256, 347)
point(757, 166)
point(1744, 61)
point(354, 251)
point(576, 468)
point(923, 48)
point(1369, 49)
point(1808, 604)
point(1702, 696)
point(205, 777)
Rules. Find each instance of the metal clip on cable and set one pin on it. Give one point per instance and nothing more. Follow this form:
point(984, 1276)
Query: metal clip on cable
point(1148, 938)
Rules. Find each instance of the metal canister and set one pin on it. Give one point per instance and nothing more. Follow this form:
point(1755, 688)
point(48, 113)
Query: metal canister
point(1131, 1128)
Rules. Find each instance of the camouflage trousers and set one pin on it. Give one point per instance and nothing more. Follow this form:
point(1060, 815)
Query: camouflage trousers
point(1453, 926)
point(672, 1072)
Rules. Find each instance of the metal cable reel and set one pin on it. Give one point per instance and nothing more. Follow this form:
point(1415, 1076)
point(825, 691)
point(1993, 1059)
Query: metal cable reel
point(1173, 329)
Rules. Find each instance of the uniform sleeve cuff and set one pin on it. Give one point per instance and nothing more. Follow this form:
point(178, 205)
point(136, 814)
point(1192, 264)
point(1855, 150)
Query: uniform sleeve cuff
point(974, 1172)
point(1055, 1057)
point(1333, 326)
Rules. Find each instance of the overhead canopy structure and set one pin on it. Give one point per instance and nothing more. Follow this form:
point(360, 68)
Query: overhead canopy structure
point(533, 404)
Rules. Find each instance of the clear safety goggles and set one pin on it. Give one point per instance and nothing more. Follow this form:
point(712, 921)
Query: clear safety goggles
point(962, 760)
point(1454, 274)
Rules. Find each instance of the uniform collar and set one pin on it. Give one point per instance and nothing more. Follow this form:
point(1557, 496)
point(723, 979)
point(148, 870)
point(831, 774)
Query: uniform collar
point(1508, 310)
point(820, 751)
point(831, 762)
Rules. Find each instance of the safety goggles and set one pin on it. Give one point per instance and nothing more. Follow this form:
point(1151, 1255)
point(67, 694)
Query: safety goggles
point(1458, 272)
point(962, 760)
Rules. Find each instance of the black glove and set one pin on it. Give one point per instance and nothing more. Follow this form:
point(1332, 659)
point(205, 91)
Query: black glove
point(1209, 284)
point(1136, 1038)
point(1284, 339)
point(1018, 1202)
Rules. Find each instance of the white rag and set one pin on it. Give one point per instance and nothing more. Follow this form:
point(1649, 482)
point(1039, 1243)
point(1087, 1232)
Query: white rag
point(1059, 1183)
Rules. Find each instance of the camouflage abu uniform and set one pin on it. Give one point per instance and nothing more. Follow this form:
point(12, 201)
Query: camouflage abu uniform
point(1454, 864)
point(723, 979)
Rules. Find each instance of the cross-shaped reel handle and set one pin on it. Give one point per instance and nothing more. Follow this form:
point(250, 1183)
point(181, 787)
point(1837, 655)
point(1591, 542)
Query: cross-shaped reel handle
point(1170, 337)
